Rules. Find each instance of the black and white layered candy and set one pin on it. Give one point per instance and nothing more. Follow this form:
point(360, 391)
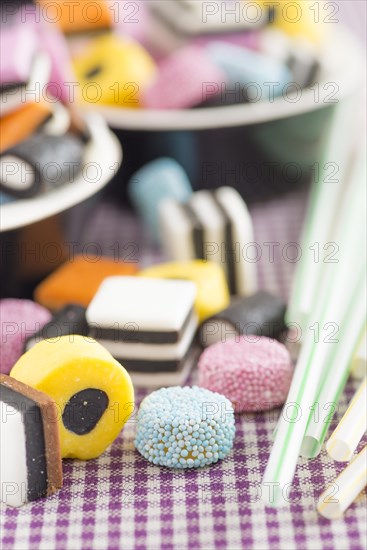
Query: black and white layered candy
point(30, 460)
point(216, 226)
point(148, 325)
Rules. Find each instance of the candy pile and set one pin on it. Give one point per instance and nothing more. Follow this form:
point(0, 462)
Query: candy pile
point(66, 398)
point(178, 55)
point(42, 141)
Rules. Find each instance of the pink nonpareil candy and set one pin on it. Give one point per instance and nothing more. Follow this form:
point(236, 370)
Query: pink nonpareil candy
point(19, 319)
point(253, 372)
point(186, 78)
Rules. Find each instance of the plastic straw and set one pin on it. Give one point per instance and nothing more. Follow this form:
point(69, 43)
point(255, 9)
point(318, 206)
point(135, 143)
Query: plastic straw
point(345, 338)
point(359, 363)
point(320, 219)
point(348, 485)
point(336, 305)
point(335, 380)
point(349, 432)
point(302, 395)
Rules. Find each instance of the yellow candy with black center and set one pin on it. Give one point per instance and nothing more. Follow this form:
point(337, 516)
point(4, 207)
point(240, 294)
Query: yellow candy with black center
point(213, 294)
point(114, 71)
point(93, 392)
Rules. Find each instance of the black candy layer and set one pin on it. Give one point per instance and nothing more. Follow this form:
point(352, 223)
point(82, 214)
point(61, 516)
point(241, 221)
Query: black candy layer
point(35, 441)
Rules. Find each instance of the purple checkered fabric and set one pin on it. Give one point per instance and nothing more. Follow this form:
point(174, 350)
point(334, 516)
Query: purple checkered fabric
point(120, 501)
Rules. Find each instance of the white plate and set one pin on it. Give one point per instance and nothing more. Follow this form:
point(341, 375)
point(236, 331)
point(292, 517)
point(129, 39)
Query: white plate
point(341, 62)
point(102, 159)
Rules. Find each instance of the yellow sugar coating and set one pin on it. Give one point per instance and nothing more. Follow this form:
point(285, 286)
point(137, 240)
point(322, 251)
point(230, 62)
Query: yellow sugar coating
point(123, 69)
point(301, 19)
point(213, 294)
point(62, 367)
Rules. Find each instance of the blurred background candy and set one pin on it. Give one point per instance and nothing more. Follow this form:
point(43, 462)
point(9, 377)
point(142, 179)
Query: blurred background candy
point(20, 319)
point(153, 183)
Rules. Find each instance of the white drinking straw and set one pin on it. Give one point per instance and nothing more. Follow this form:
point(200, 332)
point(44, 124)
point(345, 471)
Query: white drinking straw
point(345, 339)
point(349, 432)
point(339, 496)
point(336, 305)
point(291, 427)
point(334, 381)
point(323, 211)
point(359, 362)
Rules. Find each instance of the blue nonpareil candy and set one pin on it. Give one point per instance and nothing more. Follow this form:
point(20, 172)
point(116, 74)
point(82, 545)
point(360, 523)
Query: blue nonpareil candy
point(160, 179)
point(186, 427)
point(260, 76)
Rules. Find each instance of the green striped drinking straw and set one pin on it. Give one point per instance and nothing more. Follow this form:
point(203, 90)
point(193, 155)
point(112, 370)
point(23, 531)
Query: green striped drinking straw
point(337, 370)
point(326, 196)
point(338, 297)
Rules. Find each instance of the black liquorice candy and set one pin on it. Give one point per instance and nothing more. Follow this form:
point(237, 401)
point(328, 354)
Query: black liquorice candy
point(40, 163)
point(68, 321)
point(261, 314)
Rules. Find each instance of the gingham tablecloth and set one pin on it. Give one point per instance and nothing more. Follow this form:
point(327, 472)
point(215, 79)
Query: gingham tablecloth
point(120, 501)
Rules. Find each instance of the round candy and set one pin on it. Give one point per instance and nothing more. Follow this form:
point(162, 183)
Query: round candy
point(114, 71)
point(185, 427)
point(20, 319)
point(212, 289)
point(253, 372)
point(160, 179)
point(93, 392)
point(184, 79)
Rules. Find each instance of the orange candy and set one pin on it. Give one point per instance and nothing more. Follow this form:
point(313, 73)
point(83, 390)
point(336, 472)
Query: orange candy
point(77, 281)
point(20, 124)
point(74, 17)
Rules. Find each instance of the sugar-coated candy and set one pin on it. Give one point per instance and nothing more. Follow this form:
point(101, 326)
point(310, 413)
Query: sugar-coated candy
point(253, 372)
point(260, 76)
point(93, 392)
point(114, 71)
point(216, 226)
point(157, 180)
point(186, 427)
point(30, 460)
point(209, 277)
point(261, 314)
point(147, 324)
point(183, 80)
point(19, 320)
point(77, 281)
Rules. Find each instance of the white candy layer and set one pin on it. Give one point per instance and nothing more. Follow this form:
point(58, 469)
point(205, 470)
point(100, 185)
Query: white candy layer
point(13, 458)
